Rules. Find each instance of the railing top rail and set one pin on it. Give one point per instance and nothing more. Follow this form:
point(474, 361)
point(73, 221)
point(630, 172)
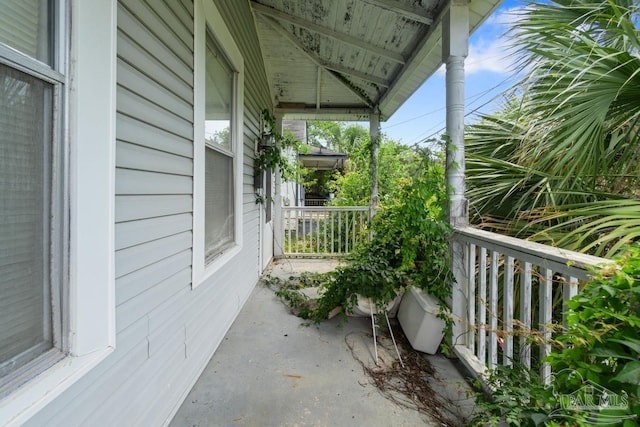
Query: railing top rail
point(325, 208)
point(564, 260)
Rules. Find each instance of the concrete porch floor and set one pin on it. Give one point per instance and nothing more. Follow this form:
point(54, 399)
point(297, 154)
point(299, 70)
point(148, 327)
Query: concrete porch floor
point(273, 370)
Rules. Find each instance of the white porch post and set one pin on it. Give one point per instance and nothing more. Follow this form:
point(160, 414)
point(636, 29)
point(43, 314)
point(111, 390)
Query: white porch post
point(374, 132)
point(454, 50)
point(278, 243)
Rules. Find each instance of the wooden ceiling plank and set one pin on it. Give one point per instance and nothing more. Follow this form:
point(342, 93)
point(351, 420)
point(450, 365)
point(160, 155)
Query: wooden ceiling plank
point(341, 37)
point(329, 67)
point(414, 13)
point(277, 27)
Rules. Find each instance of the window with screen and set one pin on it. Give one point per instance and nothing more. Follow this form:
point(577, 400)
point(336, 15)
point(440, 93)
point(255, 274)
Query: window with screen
point(219, 151)
point(30, 186)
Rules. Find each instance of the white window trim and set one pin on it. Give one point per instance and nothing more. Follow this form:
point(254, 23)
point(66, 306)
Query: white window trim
point(89, 296)
point(208, 16)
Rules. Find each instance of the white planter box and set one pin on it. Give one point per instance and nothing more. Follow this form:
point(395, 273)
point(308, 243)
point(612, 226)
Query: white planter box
point(418, 318)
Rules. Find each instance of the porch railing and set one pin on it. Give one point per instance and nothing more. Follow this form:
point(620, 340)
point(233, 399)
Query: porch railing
point(323, 231)
point(515, 294)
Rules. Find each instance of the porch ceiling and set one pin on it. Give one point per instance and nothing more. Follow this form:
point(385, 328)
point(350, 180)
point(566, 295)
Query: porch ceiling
point(343, 59)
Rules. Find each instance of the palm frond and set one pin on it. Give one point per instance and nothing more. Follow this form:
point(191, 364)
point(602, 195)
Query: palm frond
point(561, 163)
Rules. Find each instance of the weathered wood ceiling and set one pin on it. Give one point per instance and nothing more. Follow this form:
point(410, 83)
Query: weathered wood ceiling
point(342, 59)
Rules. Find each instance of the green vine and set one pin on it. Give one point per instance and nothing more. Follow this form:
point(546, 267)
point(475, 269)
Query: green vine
point(275, 156)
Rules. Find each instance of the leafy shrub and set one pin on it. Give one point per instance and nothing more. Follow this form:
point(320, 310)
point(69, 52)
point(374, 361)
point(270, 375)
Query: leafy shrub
point(369, 272)
point(409, 247)
point(600, 348)
point(602, 341)
point(518, 398)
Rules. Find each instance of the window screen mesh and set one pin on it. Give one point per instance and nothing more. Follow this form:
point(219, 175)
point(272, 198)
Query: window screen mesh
point(25, 314)
point(219, 202)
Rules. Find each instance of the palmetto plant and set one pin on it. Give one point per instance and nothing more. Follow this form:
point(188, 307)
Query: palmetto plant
point(561, 163)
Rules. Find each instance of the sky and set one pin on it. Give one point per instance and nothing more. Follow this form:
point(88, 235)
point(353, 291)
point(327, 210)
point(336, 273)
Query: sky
point(488, 73)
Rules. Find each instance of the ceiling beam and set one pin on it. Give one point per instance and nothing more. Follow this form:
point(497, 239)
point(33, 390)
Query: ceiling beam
point(339, 113)
point(353, 73)
point(341, 37)
point(409, 11)
point(325, 64)
point(283, 32)
point(424, 49)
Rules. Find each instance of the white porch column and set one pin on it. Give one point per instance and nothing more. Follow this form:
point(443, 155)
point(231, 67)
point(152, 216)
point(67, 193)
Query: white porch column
point(455, 27)
point(374, 133)
point(278, 243)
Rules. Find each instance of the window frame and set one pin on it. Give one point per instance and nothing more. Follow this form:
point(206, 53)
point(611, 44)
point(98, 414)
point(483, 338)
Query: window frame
point(209, 20)
point(228, 152)
point(55, 254)
point(84, 53)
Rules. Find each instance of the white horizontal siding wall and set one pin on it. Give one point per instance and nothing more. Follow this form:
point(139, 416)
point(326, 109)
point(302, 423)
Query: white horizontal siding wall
point(166, 331)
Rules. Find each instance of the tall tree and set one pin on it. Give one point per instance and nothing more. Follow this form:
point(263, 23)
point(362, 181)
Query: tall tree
point(397, 163)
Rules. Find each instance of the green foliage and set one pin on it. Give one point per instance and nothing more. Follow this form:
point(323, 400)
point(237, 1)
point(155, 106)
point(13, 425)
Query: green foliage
point(397, 164)
point(559, 164)
point(352, 187)
point(599, 348)
point(601, 342)
point(366, 273)
point(414, 225)
point(289, 290)
point(517, 397)
point(352, 140)
point(276, 156)
point(319, 183)
point(336, 136)
point(409, 247)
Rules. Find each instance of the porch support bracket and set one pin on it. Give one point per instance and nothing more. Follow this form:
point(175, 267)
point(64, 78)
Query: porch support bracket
point(455, 28)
